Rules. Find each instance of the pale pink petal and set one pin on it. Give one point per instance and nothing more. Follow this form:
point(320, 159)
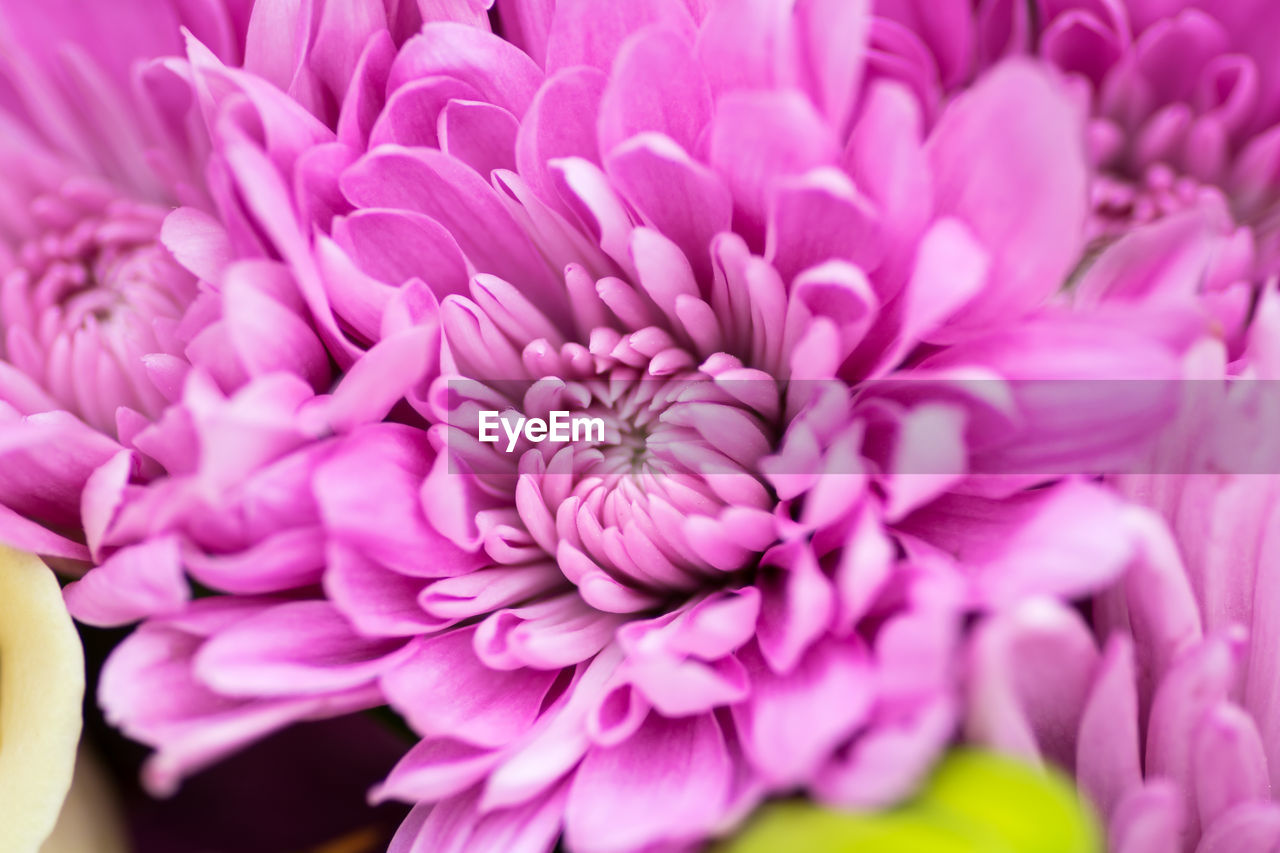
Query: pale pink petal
point(675, 768)
point(1040, 156)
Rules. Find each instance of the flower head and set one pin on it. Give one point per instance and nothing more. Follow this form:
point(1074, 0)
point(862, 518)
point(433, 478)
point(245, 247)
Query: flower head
point(758, 273)
point(141, 297)
point(754, 245)
point(1185, 104)
point(1162, 703)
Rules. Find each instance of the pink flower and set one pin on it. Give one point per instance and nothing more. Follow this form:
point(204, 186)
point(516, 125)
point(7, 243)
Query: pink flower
point(1185, 95)
point(127, 258)
point(1187, 98)
point(764, 262)
point(1162, 700)
point(766, 254)
point(1186, 105)
point(153, 349)
point(1184, 99)
point(95, 151)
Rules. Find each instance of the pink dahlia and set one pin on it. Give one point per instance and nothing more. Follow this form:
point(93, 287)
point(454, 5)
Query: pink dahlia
point(765, 263)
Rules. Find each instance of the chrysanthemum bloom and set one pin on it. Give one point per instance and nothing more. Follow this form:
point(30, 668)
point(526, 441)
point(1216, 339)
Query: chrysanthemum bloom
point(126, 255)
point(95, 151)
point(132, 278)
point(1187, 99)
point(1164, 705)
point(761, 260)
point(1185, 95)
point(1184, 99)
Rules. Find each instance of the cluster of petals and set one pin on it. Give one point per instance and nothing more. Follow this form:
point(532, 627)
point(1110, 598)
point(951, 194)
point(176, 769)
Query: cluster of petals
point(86, 290)
point(134, 283)
point(1186, 105)
point(1184, 96)
point(128, 258)
point(758, 241)
point(1159, 696)
point(1162, 701)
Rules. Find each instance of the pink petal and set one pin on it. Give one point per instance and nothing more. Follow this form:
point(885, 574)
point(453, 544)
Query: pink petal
point(834, 34)
point(397, 245)
point(380, 379)
point(951, 268)
point(1040, 156)
point(678, 769)
point(435, 769)
point(890, 761)
point(748, 46)
point(679, 688)
point(366, 92)
point(1248, 826)
point(102, 497)
point(411, 115)
point(291, 558)
point(481, 135)
point(561, 122)
point(655, 85)
point(1108, 761)
point(1198, 682)
point(791, 725)
point(1149, 820)
point(1032, 674)
point(377, 601)
point(797, 605)
point(267, 336)
point(143, 580)
point(457, 826)
point(590, 32)
point(886, 159)
point(443, 689)
point(368, 496)
point(820, 216)
point(451, 193)
point(298, 648)
point(1262, 687)
point(1230, 765)
point(499, 71)
point(757, 138)
point(527, 24)
point(673, 193)
point(198, 241)
point(1067, 540)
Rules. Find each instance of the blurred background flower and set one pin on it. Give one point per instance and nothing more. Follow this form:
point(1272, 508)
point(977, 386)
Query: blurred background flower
point(973, 803)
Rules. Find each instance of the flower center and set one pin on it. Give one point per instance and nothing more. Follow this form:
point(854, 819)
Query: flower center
point(91, 287)
point(1121, 203)
point(666, 499)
